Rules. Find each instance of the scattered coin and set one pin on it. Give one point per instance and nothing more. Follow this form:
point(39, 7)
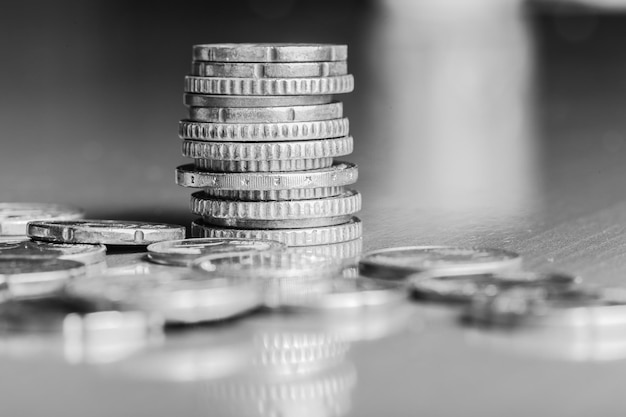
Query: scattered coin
point(291, 237)
point(398, 263)
point(179, 297)
point(31, 249)
point(345, 294)
point(269, 70)
point(108, 232)
point(184, 252)
point(15, 216)
point(36, 277)
point(269, 52)
point(328, 111)
point(463, 288)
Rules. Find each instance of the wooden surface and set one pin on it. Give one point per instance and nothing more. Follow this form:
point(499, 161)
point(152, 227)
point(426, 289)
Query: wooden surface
point(502, 132)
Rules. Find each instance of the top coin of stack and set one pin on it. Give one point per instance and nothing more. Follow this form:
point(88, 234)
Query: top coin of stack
point(263, 130)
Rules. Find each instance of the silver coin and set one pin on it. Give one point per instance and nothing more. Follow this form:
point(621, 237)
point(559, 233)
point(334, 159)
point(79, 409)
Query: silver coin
point(184, 252)
point(348, 294)
point(264, 151)
point(291, 237)
point(463, 288)
point(283, 275)
point(278, 195)
point(283, 165)
point(37, 277)
point(15, 216)
point(398, 263)
point(270, 52)
point(277, 224)
point(579, 307)
point(226, 211)
point(179, 297)
point(346, 252)
point(339, 84)
point(208, 100)
point(316, 112)
point(269, 70)
point(108, 232)
point(340, 174)
point(87, 254)
point(264, 132)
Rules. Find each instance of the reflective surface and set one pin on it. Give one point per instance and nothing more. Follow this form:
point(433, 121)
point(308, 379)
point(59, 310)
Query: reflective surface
point(494, 125)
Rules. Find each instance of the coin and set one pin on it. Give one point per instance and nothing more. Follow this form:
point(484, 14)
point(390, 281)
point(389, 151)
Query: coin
point(108, 232)
point(179, 297)
point(15, 216)
point(585, 307)
point(14, 239)
point(398, 263)
point(267, 151)
point(291, 237)
point(239, 223)
point(227, 211)
point(269, 70)
point(275, 195)
point(315, 112)
point(282, 275)
point(284, 165)
point(36, 277)
point(358, 293)
point(183, 252)
point(340, 174)
point(30, 249)
point(208, 100)
point(463, 288)
point(263, 132)
point(269, 52)
point(339, 84)
point(346, 252)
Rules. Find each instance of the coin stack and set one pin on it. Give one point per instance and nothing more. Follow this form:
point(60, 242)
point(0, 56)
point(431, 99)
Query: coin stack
point(264, 131)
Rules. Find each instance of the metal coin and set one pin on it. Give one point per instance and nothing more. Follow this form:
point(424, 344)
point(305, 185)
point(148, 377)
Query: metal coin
point(265, 151)
point(87, 254)
point(278, 195)
point(207, 100)
point(291, 237)
point(346, 252)
point(269, 52)
point(282, 165)
point(179, 297)
point(225, 211)
point(263, 132)
point(283, 275)
point(15, 216)
point(277, 224)
point(464, 288)
point(316, 112)
point(340, 174)
point(398, 263)
point(346, 294)
point(184, 252)
point(339, 84)
point(108, 232)
point(269, 70)
point(579, 307)
point(37, 277)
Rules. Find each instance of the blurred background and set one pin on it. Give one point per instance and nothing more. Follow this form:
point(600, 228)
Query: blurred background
point(460, 106)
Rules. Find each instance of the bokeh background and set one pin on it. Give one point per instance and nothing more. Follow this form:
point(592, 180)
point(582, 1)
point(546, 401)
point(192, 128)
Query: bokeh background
point(460, 106)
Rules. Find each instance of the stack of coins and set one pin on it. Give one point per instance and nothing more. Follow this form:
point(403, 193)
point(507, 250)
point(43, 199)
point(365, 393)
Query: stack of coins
point(264, 132)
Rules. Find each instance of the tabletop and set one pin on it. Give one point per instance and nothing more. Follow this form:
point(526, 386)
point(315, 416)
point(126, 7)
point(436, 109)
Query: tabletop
point(498, 126)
